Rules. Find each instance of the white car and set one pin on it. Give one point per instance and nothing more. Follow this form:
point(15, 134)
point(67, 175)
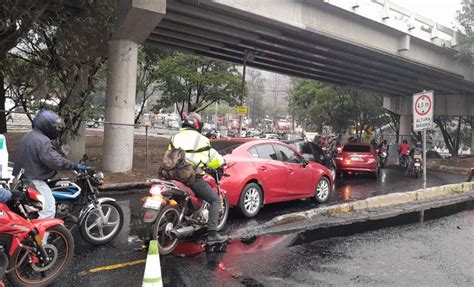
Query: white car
point(173, 124)
point(92, 124)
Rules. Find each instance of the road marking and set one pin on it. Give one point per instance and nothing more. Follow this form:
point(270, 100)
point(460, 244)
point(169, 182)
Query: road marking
point(113, 267)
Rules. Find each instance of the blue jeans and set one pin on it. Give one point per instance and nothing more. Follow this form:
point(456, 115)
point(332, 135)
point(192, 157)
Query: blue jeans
point(49, 208)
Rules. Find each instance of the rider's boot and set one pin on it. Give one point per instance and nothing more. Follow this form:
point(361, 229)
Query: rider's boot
point(213, 237)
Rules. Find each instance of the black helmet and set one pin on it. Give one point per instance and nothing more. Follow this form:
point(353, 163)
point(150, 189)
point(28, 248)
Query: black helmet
point(193, 120)
point(405, 141)
point(49, 123)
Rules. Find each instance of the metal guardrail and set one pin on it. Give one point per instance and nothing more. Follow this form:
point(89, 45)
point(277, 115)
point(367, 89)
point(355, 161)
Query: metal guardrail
point(95, 121)
point(402, 19)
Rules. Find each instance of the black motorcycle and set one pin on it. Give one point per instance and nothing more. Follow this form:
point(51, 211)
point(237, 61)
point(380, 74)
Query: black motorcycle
point(78, 204)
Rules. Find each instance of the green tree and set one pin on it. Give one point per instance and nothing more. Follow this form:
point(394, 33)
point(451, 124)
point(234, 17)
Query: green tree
point(465, 18)
point(62, 56)
point(316, 104)
point(147, 76)
point(195, 83)
point(16, 20)
point(455, 131)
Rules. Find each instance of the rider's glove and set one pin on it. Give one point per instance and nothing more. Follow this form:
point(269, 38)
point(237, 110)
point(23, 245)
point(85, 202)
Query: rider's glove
point(79, 167)
point(18, 195)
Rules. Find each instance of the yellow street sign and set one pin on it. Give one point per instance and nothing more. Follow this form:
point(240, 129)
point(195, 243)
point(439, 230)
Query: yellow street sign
point(242, 110)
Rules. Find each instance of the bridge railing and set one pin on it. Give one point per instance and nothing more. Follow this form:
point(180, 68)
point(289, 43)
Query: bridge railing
point(402, 19)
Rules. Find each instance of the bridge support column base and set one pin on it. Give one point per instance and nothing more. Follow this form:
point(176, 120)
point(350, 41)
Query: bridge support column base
point(120, 105)
point(405, 127)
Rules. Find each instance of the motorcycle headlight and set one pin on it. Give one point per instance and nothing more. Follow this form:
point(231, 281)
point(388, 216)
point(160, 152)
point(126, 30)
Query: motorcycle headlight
point(99, 176)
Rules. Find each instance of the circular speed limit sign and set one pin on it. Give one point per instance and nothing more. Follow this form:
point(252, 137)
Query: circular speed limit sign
point(423, 105)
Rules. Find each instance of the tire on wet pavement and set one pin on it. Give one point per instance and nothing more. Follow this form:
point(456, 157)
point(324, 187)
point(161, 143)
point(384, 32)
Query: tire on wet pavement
point(251, 199)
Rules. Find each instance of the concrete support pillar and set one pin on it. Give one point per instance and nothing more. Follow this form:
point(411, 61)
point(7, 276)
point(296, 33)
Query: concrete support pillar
point(405, 126)
point(135, 21)
point(120, 105)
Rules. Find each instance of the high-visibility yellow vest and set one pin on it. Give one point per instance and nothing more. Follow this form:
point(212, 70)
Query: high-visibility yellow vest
point(198, 149)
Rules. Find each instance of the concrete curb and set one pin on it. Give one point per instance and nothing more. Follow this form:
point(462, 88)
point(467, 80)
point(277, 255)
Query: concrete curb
point(377, 202)
point(152, 276)
point(447, 168)
point(366, 205)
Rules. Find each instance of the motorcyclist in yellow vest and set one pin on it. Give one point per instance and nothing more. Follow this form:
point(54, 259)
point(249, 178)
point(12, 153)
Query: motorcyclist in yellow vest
point(200, 154)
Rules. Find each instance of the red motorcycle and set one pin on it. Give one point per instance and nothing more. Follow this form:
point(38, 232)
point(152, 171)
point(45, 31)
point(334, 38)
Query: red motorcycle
point(176, 213)
point(24, 257)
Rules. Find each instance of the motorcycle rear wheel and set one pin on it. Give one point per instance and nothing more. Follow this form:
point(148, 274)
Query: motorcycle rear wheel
point(166, 220)
point(59, 237)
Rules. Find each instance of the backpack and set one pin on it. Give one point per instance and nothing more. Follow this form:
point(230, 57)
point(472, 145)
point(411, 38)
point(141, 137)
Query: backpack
point(175, 167)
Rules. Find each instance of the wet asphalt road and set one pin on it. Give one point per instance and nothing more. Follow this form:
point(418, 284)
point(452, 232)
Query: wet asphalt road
point(125, 250)
point(435, 253)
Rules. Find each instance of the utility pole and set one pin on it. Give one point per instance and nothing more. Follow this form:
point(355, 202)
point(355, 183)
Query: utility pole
point(248, 57)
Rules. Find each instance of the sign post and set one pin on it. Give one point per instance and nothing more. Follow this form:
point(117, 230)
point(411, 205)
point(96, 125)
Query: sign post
point(423, 105)
point(146, 123)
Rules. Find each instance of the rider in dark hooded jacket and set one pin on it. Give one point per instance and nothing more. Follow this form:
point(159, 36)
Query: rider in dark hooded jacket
point(41, 161)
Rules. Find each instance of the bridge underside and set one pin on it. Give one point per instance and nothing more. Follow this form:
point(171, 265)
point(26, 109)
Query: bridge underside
point(220, 32)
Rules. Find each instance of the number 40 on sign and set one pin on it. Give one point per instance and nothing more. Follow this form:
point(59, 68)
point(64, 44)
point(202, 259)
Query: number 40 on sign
point(423, 111)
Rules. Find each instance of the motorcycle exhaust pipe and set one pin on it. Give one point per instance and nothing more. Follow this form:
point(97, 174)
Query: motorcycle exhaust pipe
point(183, 231)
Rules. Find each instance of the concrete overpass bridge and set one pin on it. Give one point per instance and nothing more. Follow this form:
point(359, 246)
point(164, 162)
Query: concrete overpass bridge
point(371, 44)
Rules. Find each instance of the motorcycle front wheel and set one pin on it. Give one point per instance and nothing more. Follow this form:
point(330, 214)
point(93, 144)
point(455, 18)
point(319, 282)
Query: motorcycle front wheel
point(97, 230)
point(165, 222)
point(223, 213)
point(33, 271)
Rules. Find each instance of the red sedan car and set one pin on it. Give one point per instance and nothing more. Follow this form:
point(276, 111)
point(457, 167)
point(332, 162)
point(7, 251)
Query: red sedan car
point(269, 171)
point(357, 157)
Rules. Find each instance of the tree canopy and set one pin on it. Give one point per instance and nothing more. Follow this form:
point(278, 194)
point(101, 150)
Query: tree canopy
point(194, 82)
point(465, 18)
point(55, 64)
point(316, 104)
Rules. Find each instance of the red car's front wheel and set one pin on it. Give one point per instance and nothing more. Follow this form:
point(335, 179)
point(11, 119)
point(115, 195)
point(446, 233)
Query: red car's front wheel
point(323, 190)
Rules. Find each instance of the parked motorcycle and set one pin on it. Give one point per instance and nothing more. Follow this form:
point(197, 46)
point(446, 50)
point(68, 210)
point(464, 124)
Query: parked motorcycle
point(77, 202)
point(176, 213)
point(25, 258)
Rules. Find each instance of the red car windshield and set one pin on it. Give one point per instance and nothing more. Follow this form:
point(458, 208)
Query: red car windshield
point(356, 148)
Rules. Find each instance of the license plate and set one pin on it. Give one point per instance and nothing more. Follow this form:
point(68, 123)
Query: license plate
point(152, 203)
point(356, 158)
point(417, 164)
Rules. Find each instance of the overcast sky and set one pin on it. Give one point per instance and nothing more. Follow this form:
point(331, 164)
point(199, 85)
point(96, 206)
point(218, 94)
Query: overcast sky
point(441, 11)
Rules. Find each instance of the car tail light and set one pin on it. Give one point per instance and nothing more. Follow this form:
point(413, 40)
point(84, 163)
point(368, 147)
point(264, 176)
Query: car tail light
point(339, 158)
